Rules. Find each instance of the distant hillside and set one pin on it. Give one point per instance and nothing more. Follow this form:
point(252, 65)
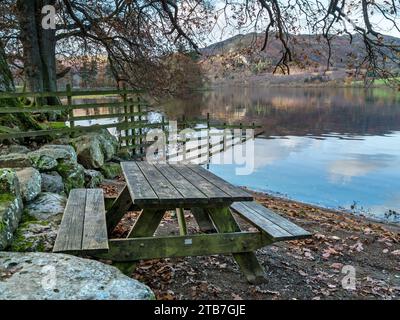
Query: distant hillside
point(240, 58)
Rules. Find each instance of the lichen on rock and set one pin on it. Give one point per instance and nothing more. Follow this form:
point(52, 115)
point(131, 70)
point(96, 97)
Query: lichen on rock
point(10, 206)
point(30, 182)
point(46, 276)
point(73, 175)
point(47, 206)
point(34, 236)
point(52, 182)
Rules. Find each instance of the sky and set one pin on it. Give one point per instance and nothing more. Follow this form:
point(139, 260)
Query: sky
point(222, 31)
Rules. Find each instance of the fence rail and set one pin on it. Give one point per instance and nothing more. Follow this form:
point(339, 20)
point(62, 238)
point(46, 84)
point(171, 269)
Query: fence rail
point(132, 114)
point(130, 110)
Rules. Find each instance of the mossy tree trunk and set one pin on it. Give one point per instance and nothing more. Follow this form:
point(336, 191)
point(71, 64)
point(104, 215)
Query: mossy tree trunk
point(21, 120)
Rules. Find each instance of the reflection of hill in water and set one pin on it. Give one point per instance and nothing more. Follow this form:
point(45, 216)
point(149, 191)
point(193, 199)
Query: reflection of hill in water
point(298, 111)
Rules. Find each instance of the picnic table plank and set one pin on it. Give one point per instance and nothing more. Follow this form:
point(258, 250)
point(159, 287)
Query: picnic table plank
point(72, 223)
point(138, 186)
point(283, 223)
point(271, 229)
point(239, 194)
point(94, 229)
point(165, 191)
point(186, 188)
point(211, 191)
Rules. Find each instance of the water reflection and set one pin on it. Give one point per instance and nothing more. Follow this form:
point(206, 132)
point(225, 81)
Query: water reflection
point(298, 111)
point(338, 148)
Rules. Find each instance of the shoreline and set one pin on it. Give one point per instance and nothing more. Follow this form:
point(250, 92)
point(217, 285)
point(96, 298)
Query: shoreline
point(361, 216)
point(302, 269)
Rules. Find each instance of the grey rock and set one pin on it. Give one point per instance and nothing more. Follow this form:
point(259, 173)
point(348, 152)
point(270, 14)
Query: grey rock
point(15, 160)
point(34, 236)
point(41, 161)
point(30, 182)
point(60, 152)
point(46, 158)
point(11, 206)
point(89, 151)
point(73, 175)
point(46, 276)
point(93, 178)
point(15, 148)
point(94, 149)
point(47, 206)
point(109, 144)
point(52, 182)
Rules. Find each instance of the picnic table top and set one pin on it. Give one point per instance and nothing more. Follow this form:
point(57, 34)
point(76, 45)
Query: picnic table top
point(178, 185)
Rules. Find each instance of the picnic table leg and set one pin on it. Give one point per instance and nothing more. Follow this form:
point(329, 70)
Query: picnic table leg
point(247, 261)
point(203, 220)
point(145, 226)
point(180, 213)
point(119, 208)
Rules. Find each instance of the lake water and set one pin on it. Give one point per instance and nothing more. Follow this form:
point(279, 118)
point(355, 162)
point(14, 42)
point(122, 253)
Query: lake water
point(336, 148)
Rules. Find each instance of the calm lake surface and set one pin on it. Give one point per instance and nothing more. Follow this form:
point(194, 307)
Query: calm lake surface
point(336, 148)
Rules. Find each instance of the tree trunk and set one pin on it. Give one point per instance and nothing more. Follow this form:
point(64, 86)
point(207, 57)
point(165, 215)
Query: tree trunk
point(21, 120)
point(39, 46)
point(6, 79)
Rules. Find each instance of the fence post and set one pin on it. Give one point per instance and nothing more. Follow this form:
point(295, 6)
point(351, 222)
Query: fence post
point(125, 100)
point(224, 138)
point(141, 150)
point(69, 102)
point(132, 118)
point(165, 136)
point(209, 138)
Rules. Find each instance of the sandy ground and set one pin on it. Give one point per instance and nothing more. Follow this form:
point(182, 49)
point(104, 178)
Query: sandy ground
point(315, 268)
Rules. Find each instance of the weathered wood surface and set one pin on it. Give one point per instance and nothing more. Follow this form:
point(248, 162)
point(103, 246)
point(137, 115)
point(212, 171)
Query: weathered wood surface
point(166, 185)
point(83, 227)
point(77, 93)
point(273, 225)
point(94, 227)
point(165, 191)
point(123, 250)
point(247, 261)
point(119, 208)
point(222, 184)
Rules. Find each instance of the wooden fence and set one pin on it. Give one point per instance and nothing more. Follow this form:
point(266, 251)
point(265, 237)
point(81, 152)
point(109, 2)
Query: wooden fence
point(132, 125)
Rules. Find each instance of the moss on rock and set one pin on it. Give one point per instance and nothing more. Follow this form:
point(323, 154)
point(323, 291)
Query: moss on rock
point(111, 170)
point(73, 175)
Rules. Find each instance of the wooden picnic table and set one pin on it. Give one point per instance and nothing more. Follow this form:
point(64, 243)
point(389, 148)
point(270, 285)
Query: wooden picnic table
point(157, 188)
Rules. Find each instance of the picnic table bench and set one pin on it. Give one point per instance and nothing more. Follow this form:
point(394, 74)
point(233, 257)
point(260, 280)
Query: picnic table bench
point(157, 188)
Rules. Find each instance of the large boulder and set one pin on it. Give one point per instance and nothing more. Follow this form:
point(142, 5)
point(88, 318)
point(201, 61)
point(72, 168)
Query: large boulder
point(52, 182)
point(89, 151)
point(60, 152)
point(47, 206)
point(109, 144)
point(93, 149)
point(10, 206)
point(93, 179)
point(73, 175)
point(30, 182)
point(14, 160)
point(46, 276)
point(48, 157)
